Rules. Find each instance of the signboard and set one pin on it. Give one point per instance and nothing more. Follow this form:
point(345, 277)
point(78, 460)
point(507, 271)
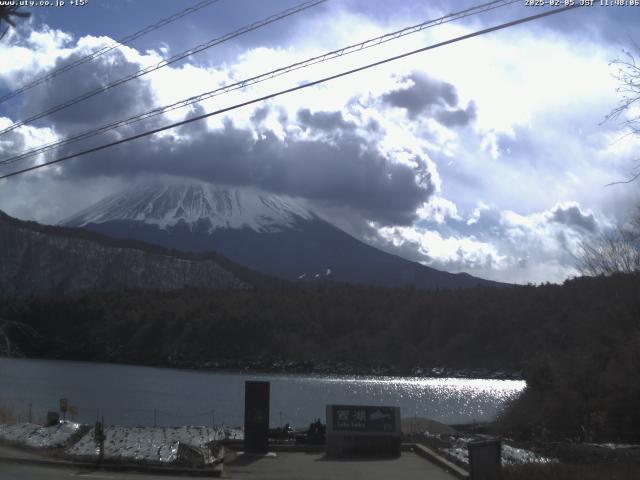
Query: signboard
point(73, 410)
point(363, 430)
point(64, 404)
point(363, 418)
point(256, 417)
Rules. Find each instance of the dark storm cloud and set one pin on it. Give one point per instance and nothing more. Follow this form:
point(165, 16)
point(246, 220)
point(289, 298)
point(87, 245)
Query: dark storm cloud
point(346, 172)
point(458, 117)
point(373, 125)
point(574, 217)
point(324, 120)
point(422, 95)
point(427, 96)
point(260, 114)
point(127, 99)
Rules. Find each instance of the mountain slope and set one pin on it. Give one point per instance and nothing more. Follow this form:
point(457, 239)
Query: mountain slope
point(166, 206)
point(272, 234)
point(37, 259)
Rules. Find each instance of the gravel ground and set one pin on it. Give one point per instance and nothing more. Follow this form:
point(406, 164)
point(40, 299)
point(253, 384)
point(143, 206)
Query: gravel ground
point(37, 436)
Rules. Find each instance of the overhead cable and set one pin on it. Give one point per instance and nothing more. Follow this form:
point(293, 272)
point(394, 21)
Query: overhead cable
point(293, 89)
point(199, 48)
point(354, 48)
point(108, 48)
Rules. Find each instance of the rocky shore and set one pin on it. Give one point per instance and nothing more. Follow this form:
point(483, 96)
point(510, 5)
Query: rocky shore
point(339, 368)
point(307, 367)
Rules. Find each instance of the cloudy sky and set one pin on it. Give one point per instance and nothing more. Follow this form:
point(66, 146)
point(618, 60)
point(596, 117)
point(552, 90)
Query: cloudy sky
point(488, 156)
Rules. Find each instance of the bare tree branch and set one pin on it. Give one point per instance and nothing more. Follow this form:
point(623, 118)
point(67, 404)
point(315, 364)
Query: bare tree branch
point(628, 76)
point(630, 180)
point(6, 15)
point(613, 252)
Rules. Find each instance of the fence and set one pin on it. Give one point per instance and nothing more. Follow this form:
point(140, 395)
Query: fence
point(21, 410)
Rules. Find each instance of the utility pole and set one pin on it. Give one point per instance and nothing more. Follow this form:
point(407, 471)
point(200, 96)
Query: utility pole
point(99, 437)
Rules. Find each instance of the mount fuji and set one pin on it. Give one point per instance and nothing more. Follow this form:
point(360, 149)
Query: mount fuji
point(273, 234)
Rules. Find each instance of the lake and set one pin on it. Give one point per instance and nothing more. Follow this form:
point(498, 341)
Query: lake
point(132, 395)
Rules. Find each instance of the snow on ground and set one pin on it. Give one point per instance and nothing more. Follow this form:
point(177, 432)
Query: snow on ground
point(614, 446)
point(510, 455)
point(149, 444)
point(33, 435)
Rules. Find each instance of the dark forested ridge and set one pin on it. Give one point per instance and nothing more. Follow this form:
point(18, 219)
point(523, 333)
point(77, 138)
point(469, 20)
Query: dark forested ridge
point(45, 260)
point(472, 328)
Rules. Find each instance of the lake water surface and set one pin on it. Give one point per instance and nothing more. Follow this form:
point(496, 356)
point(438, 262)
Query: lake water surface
point(133, 395)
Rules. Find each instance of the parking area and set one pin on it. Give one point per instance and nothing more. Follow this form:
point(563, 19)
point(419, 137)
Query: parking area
point(314, 466)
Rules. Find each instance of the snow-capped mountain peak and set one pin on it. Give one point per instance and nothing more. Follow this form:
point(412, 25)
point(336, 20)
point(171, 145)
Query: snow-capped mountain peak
point(273, 234)
point(166, 205)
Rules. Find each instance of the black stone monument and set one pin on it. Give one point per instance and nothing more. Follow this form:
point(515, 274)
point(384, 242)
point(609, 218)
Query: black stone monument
point(485, 460)
point(256, 417)
point(53, 418)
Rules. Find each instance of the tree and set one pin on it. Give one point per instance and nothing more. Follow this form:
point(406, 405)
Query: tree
point(618, 251)
point(7, 347)
point(613, 252)
point(7, 13)
point(628, 75)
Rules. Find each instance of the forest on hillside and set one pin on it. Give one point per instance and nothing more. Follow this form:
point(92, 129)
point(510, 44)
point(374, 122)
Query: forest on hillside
point(493, 328)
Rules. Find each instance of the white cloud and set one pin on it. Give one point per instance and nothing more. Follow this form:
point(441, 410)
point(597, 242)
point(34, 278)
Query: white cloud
point(535, 144)
point(23, 57)
point(500, 245)
point(438, 210)
point(452, 253)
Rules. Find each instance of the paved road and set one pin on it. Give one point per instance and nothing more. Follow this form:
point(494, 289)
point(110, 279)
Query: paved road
point(29, 472)
point(11, 452)
point(285, 466)
point(302, 466)
point(14, 471)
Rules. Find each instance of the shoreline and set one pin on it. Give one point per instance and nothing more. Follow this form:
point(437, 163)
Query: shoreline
point(322, 368)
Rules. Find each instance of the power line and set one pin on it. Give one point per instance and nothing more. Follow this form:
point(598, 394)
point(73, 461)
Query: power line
point(164, 63)
point(293, 89)
point(265, 76)
point(108, 48)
